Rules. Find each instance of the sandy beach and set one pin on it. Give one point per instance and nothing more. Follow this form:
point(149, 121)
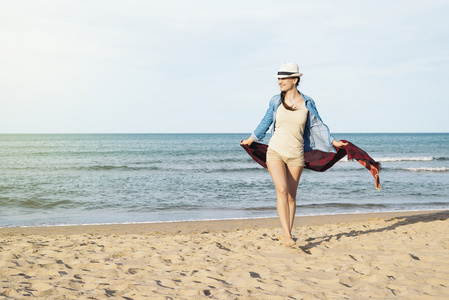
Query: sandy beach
point(402, 255)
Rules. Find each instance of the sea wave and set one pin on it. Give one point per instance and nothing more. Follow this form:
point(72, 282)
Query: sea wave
point(442, 158)
point(327, 205)
point(122, 168)
point(35, 203)
point(426, 169)
point(235, 170)
point(399, 159)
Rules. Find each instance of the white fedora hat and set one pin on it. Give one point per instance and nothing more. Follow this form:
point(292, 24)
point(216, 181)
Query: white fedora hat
point(288, 70)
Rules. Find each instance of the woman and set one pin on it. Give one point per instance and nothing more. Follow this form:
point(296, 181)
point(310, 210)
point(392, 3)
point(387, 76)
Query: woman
point(297, 128)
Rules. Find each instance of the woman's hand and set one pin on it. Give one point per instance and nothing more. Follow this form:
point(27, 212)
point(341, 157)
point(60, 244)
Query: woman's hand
point(247, 142)
point(338, 144)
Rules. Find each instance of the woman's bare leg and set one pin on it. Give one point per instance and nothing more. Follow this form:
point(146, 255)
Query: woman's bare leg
point(285, 180)
point(293, 176)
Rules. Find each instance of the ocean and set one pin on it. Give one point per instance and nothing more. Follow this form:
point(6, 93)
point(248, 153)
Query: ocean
point(74, 179)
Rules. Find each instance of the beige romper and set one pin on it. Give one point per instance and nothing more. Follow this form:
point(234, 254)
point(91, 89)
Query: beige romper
point(287, 142)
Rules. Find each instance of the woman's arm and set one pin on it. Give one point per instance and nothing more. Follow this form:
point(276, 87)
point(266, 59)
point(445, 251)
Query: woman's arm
point(265, 123)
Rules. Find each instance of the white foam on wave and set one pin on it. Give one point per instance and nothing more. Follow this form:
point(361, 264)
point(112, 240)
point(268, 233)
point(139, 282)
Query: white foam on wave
point(426, 169)
point(398, 159)
point(395, 159)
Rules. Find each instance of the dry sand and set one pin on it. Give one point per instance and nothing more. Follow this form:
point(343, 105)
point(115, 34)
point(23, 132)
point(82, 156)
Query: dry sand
point(369, 256)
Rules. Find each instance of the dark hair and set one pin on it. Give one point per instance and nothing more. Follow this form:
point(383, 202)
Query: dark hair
point(283, 95)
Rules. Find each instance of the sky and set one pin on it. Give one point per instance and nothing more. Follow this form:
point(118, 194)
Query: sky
point(176, 66)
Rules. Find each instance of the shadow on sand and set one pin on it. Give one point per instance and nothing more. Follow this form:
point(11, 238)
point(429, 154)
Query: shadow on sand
point(399, 221)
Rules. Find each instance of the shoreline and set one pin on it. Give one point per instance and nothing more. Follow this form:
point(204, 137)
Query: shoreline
point(187, 221)
point(187, 227)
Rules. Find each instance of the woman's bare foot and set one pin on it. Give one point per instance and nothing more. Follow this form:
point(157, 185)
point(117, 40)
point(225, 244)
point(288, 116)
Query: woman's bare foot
point(289, 242)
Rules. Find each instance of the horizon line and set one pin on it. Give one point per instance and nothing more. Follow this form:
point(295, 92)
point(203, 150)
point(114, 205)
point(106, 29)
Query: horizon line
point(378, 132)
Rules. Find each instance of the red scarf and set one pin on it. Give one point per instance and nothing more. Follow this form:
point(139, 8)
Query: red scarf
point(320, 161)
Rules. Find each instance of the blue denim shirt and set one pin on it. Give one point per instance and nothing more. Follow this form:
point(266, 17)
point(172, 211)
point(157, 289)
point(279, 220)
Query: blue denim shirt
point(316, 133)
